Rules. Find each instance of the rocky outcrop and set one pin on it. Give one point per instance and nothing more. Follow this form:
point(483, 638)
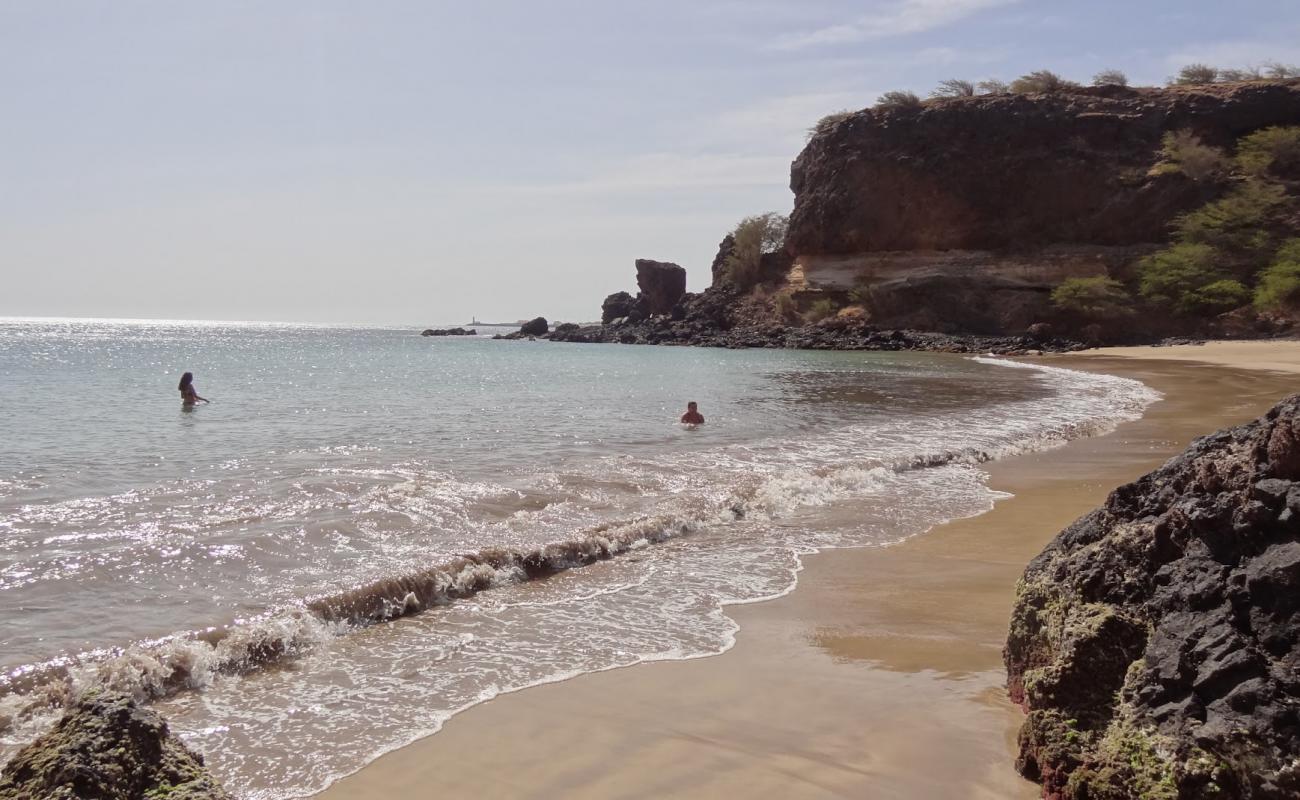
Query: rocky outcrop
point(538, 326)
point(107, 748)
point(618, 305)
point(963, 214)
point(1155, 643)
point(1015, 171)
point(662, 284)
point(449, 332)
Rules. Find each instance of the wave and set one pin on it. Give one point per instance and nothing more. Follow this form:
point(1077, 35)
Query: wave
point(191, 661)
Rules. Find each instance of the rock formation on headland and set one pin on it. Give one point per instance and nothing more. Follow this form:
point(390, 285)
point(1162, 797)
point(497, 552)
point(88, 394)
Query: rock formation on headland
point(1155, 643)
point(107, 748)
point(1011, 221)
point(661, 283)
point(963, 214)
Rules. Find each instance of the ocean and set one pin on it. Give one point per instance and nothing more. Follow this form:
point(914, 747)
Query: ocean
point(367, 531)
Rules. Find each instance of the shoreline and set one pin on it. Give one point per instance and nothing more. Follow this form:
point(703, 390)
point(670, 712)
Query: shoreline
point(881, 659)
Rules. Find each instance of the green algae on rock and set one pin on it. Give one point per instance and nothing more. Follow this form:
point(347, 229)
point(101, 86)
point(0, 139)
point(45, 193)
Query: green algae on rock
point(1155, 643)
point(106, 747)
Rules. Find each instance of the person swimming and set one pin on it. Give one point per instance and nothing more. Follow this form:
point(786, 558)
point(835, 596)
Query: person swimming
point(189, 397)
point(692, 415)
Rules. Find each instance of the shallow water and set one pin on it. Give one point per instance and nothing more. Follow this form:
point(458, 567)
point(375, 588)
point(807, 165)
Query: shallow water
point(368, 530)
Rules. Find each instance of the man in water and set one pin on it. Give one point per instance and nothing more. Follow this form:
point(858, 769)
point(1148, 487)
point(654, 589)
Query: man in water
point(692, 415)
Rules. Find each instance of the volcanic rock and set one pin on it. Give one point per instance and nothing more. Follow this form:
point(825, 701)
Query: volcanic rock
point(1155, 643)
point(537, 326)
point(106, 747)
point(661, 283)
point(616, 306)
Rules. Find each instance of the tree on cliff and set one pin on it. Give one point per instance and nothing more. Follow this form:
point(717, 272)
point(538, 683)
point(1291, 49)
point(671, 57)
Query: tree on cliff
point(754, 236)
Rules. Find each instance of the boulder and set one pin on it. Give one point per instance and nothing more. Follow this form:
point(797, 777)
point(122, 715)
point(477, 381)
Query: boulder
point(535, 327)
point(1155, 643)
point(661, 283)
point(616, 306)
point(106, 747)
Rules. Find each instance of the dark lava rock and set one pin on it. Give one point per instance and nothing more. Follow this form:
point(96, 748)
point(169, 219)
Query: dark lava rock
point(449, 332)
point(1155, 643)
point(662, 284)
point(617, 306)
point(108, 748)
point(535, 327)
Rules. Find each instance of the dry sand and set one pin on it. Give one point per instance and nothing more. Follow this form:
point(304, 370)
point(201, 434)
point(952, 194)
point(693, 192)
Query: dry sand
point(1281, 356)
point(879, 677)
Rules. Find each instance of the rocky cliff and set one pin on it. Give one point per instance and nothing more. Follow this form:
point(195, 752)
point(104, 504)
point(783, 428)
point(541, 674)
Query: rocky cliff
point(1155, 643)
point(107, 748)
point(989, 202)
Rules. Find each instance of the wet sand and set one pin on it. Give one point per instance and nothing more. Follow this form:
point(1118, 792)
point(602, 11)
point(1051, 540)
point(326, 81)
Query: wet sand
point(879, 677)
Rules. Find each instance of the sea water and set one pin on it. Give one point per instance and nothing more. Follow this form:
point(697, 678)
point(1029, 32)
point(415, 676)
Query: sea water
point(367, 531)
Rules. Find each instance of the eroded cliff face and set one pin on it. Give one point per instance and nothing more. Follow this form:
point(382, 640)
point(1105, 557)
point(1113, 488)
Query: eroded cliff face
point(1155, 643)
point(1027, 190)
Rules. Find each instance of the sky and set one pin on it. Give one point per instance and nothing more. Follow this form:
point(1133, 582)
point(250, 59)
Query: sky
point(419, 163)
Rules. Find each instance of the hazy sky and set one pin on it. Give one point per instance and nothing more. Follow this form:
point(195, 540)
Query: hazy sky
point(419, 162)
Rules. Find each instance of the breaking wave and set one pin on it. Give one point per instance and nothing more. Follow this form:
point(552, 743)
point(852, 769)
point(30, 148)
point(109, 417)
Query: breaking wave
point(191, 661)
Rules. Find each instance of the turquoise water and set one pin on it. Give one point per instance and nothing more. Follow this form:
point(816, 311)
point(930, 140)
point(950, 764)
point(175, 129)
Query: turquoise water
point(417, 524)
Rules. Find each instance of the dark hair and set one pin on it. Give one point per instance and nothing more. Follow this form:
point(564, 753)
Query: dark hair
point(688, 405)
point(186, 380)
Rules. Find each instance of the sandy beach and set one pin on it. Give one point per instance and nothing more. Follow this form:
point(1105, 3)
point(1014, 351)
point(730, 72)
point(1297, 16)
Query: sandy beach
point(880, 676)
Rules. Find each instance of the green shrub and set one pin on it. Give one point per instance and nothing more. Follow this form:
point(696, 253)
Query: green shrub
point(1187, 277)
point(1041, 81)
point(1096, 298)
point(1239, 224)
point(1241, 75)
point(1222, 295)
point(898, 100)
point(1281, 71)
point(1185, 152)
point(954, 87)
point(1275, 150)
point(829, 121)
point(784, 305)
point(821, 310)
point(1193, 74)
point(1279, 284)
point(1110, 77)
point(993, 86)
point(754, 236)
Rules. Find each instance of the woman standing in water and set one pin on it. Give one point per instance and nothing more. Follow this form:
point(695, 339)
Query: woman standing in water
point(189, 397)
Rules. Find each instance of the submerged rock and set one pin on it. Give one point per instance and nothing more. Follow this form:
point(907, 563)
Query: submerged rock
point(106, 747)
point(1155, 643)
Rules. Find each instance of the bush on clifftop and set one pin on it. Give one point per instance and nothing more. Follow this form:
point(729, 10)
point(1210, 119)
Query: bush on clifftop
point(898, 99)
point(1110, 77)
point(954, 87)
point(1041, 81)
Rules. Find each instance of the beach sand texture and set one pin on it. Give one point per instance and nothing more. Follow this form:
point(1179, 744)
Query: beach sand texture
point(880, 676)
